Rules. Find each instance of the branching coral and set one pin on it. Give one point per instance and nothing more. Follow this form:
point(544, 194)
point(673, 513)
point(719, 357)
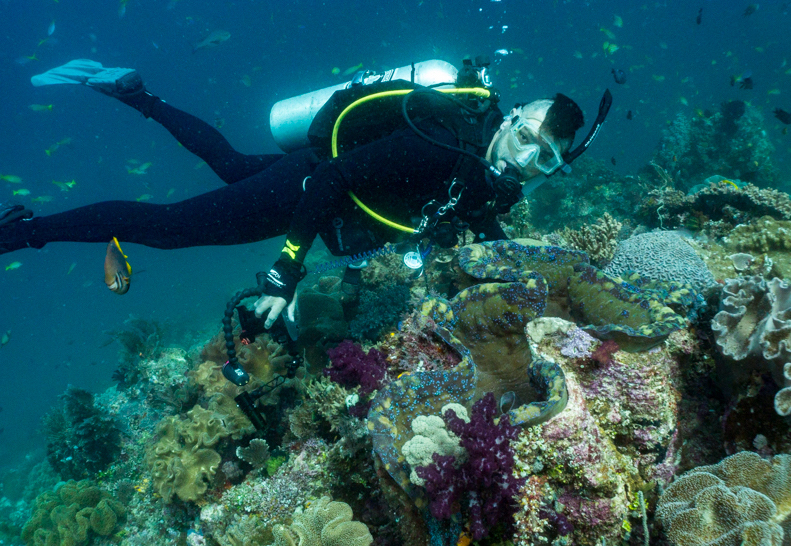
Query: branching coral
point(743, 500)
point(81, 439)
point(598, 240)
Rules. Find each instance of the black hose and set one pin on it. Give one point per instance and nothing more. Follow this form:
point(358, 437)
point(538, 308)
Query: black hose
point(232, 371)
point(424, 136)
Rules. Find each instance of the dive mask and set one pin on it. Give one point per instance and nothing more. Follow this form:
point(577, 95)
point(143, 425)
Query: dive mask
point(531, 149)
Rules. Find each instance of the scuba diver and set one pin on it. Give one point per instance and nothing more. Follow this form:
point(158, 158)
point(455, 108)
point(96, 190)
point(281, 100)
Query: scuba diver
point(427, 161)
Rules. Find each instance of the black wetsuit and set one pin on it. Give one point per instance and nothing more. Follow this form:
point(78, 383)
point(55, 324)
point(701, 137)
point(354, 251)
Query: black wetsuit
point(395, 176)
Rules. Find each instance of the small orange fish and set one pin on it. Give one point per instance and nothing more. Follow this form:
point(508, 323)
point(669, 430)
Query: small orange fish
point(117, 270)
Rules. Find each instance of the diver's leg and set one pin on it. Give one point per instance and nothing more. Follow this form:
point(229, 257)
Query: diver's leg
point(255, 209)
point(205, 141)
point(194, 134)
point(126, 85)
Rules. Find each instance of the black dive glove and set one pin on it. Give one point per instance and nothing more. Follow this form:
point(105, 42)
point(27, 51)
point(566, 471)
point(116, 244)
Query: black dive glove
point(282, 279)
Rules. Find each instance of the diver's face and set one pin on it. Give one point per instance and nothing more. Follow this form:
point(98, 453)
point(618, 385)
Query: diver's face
point(501, 156)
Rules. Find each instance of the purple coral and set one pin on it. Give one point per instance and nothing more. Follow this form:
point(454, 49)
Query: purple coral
point(485, 482)
point(350, 366)
point(577, 344)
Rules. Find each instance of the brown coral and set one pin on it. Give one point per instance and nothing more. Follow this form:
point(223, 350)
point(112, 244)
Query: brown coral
point(72, 514)
point(719, 201)
point(742, 500)
point(323, 523)
point(598, 240)
point(764, 235)
point(182, 461)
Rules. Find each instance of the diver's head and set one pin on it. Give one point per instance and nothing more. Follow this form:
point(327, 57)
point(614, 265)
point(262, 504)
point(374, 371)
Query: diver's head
point(534, 136)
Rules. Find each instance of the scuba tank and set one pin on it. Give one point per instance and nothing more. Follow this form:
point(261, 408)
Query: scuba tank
point(290, 119)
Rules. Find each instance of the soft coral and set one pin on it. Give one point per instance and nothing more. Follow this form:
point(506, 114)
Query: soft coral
point(484, 483)
point(350, 366)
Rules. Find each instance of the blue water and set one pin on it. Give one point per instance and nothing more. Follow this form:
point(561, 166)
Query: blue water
point(57, 318)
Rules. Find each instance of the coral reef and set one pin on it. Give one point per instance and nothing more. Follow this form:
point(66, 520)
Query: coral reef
point(140, 339)
point(753, 328)
point(351, 366)
point(379, 310)
point(256, 454)
point(717, 208)
point(570, 200)
point(763, 235)
point(661, 255)
point(323, 523)
point(637, 319)
point(245, 514)
point(598, 240)
point(615, 438)
point(72, 514)
point(742, 500)
point(483, 484)
point(182, 461)
point(491, 319)
point(731, 142)
point(81, 439)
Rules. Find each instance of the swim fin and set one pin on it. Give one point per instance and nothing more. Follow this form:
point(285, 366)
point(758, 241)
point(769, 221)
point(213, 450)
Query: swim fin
point(84, 71)
point(11, 212)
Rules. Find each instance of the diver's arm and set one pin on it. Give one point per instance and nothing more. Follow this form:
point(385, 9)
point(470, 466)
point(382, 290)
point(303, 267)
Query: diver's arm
point(390, 164)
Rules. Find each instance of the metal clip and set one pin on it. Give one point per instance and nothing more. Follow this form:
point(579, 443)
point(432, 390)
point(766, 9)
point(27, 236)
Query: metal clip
point(441, 209)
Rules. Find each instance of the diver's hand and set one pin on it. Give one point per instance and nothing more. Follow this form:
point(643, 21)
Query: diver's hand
point(279, 290)
point(275, 306)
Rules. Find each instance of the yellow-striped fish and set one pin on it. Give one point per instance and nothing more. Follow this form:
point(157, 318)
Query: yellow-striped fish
point(117, 271)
